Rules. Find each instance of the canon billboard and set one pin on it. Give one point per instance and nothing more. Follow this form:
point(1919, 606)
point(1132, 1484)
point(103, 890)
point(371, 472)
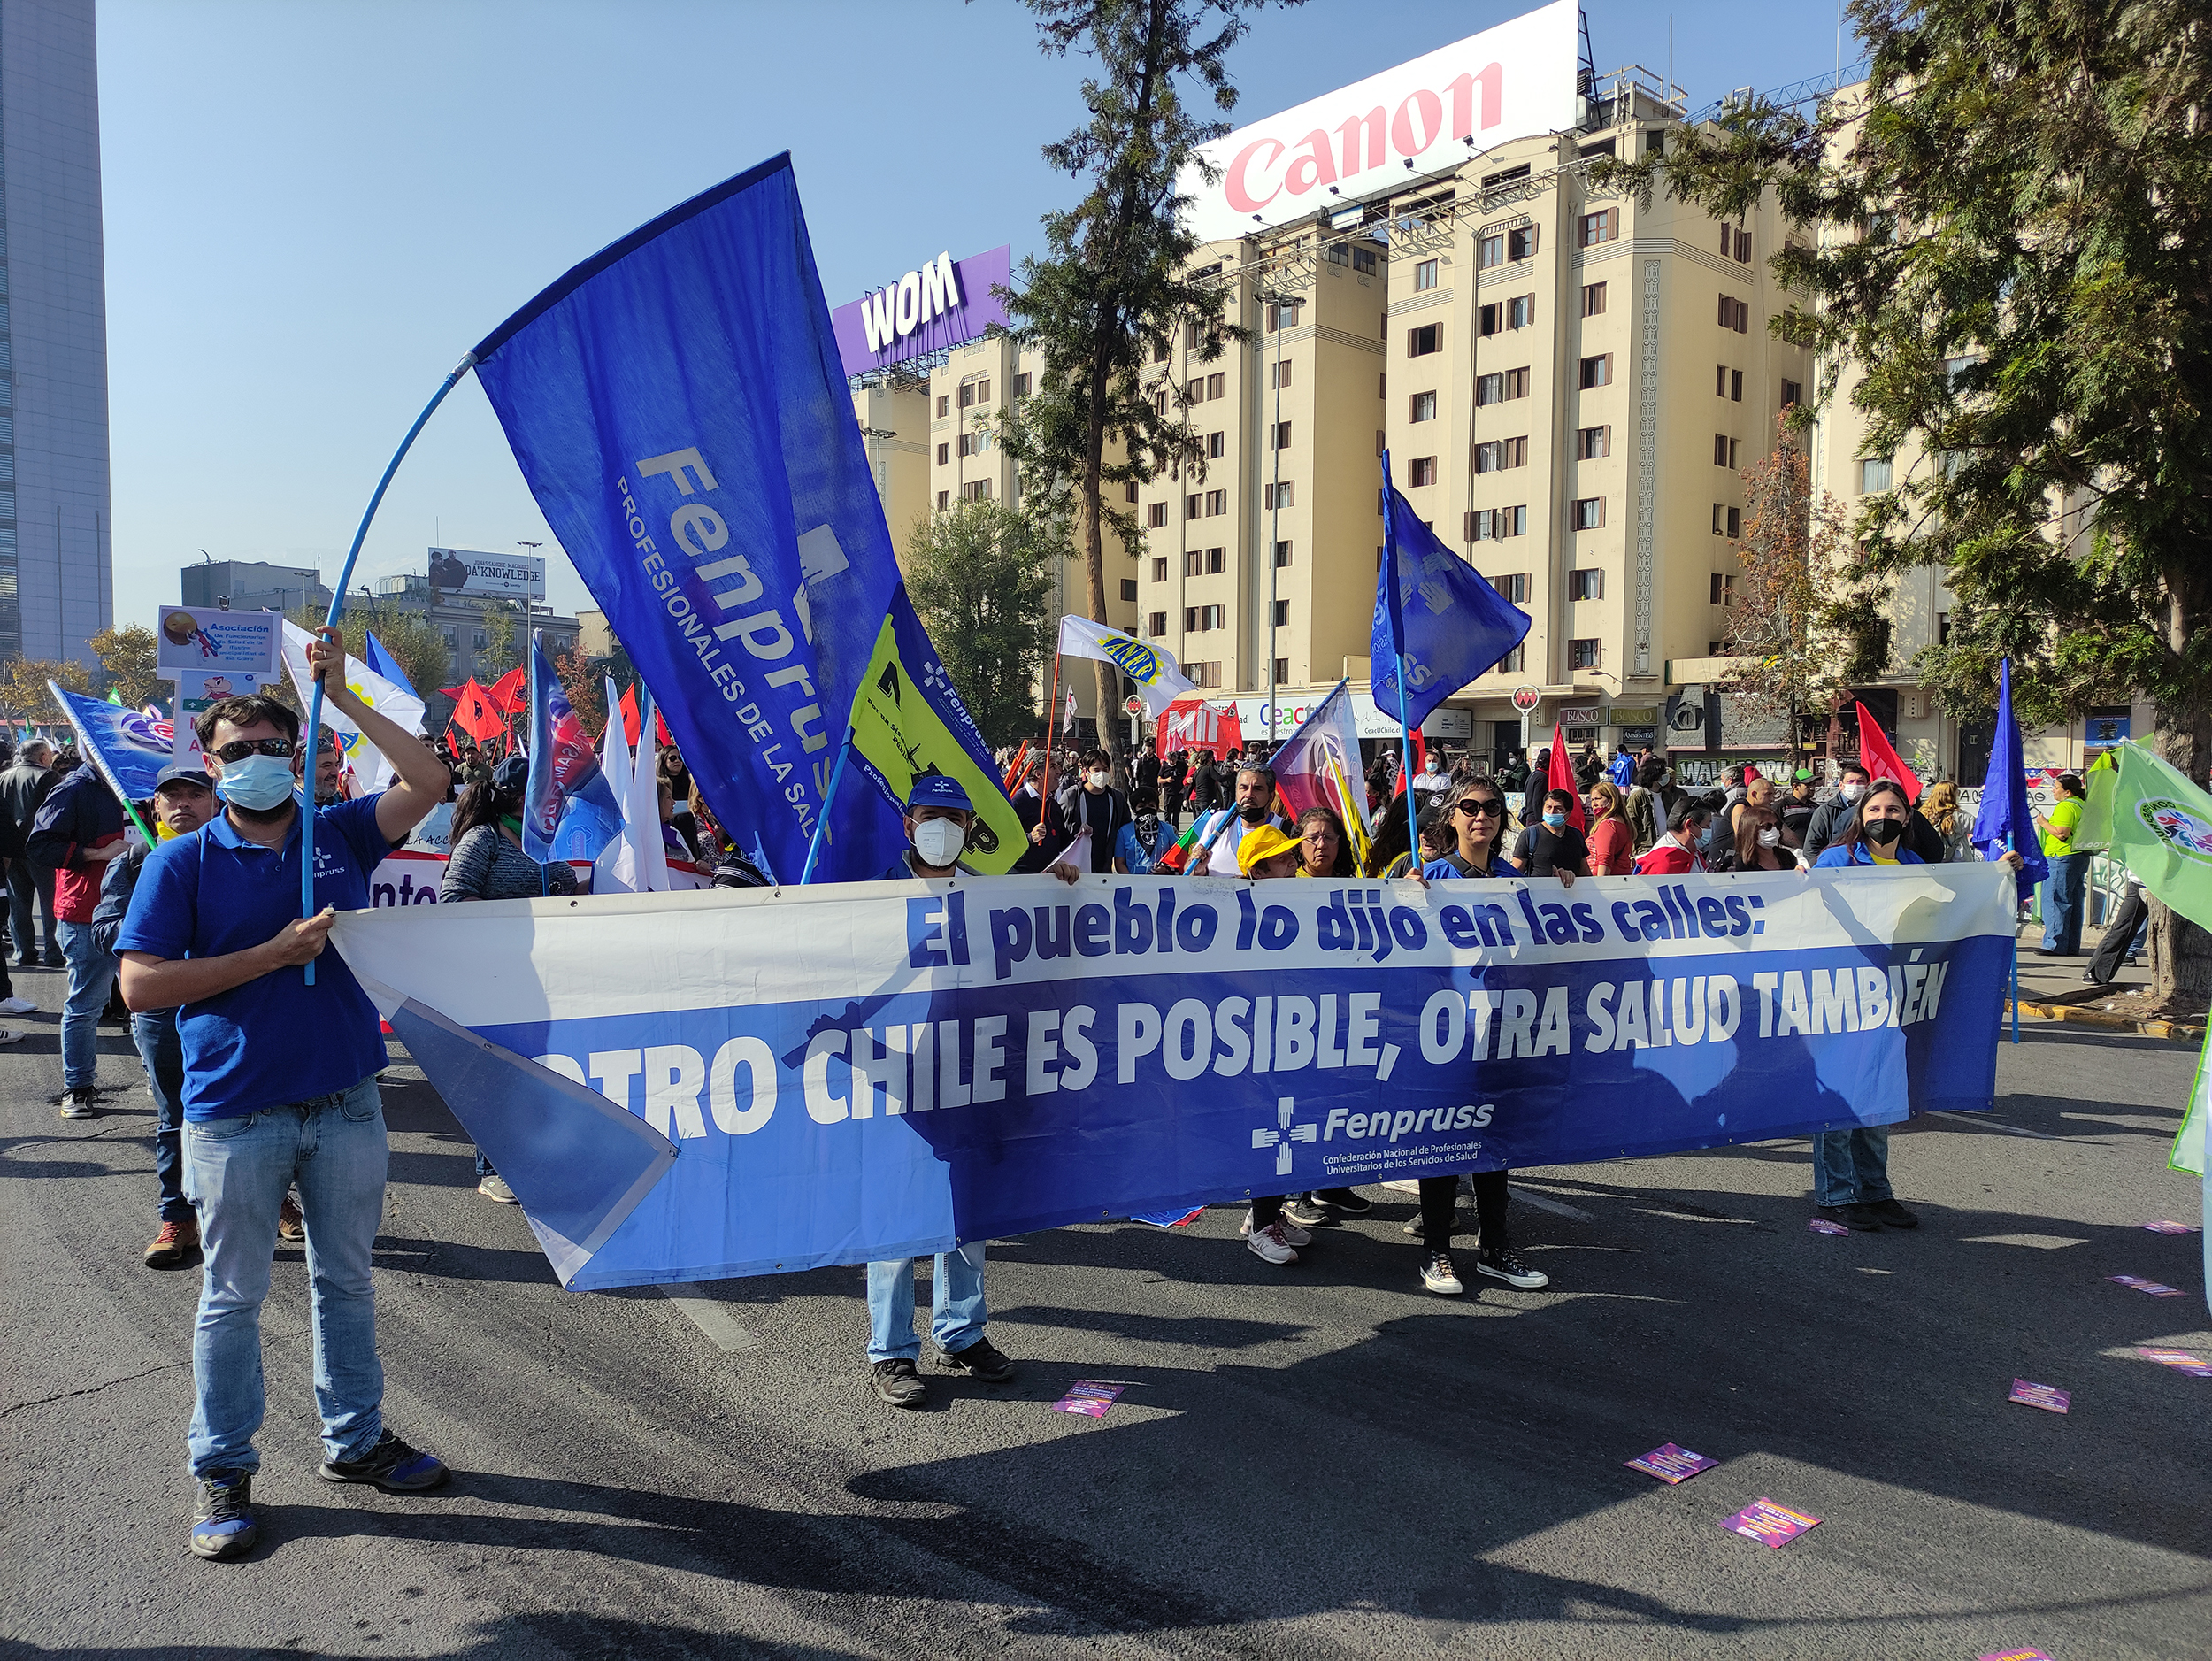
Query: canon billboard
point(1512, 81)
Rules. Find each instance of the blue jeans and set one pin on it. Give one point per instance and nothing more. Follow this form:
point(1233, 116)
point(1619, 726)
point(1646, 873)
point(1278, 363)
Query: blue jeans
point(91, 978)
point(2063, 898)
point(955, 1293)
point(237, 1170)
point(1851, 1165)
point(163, 1053)
point(27, 882)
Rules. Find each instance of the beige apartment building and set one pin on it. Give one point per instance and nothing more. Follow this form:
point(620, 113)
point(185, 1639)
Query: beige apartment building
point(1568, 383)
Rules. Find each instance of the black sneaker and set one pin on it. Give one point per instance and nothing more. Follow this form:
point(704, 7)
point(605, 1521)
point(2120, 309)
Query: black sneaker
point(1345, 1202)
point(1862, 1215)
point(1894, 1214)
point(1502, 1264)
point(979, 1360)
point(899, 1383)
point(224, 1526)
point(391, 1466)
point(1850, 1216)
point(80, 1105)
point(1308, 1212)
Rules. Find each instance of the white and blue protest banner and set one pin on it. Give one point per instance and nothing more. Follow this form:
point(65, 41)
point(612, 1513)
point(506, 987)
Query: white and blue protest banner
point(678, 409)
point(871, 1071)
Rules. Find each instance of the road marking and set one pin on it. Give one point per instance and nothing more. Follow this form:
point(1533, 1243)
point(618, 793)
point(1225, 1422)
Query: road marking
point(2040, 1242)
point(1983, 1121)
point(714, 1320)
point(1545, 1202)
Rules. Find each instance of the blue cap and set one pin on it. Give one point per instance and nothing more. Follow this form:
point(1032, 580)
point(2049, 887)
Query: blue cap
point(183, 772)
point(937, 789)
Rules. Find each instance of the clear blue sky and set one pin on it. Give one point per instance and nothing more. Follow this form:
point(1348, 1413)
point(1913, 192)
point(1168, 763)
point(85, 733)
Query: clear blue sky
point(312, 209)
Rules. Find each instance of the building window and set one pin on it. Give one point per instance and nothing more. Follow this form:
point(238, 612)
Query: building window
point(1723, 450)
point(1501, 387)
point(1793, 394)
point(1514, 661)
point(944, 404)
point(1382, 440)
point(1281, 436)
point(1216, 561)
point(1424, 275)
point(1728, 383)
point(1735, 314)
point(1423, 341)
point(1363, 260)
point(1492, 250)
point(1743, 246)
point(1217, 446)
point(1131, 489)
point(976, 490)
point(1276, 495)
point(1422, 407)
point(1021, 385)
point(1512, 587)
point(1723, 589)
point(1159, 570)
point(967, 395)
point(1194, 562)
point(1586, 585)
point(1199, 619)
point(1874, 474)
point(1282, 613)
point(1421, 471)
point(1520, 244)
point(1592, 299)
point(944, 503)
point(1216, 504)
point(1496, 524)
point(1518, 312)
point(1587, 513)
point(1282, 669)
point(1279, 317)
point(1155, 516)
point(1592, 442)
point(1155, 624)
point(1216, 385)
point(1601, 227)
point(1596, 371)
point(1727, 522)
point(944, 455)
point(1582, 654)
point(1193, 504)
point(1160, 349)
point(1501, 453)
point(1128, 588)
point(1282, 372)
point(1282, 554)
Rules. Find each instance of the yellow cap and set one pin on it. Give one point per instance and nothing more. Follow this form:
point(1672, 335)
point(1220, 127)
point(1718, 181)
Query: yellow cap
point(1259, 845)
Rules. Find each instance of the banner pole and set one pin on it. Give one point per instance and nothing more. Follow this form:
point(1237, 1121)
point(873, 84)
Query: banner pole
point(2010, 837)
point(1052, 718)
point(837, 777)
point(337, 609)
point(1405, 760)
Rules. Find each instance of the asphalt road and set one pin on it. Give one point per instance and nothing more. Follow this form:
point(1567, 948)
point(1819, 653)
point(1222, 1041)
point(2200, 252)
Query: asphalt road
point(1311, 1462)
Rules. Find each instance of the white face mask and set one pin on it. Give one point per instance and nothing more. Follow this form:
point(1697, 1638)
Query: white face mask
point(1770, 839)
point(939, 841)
point(1098, 778)
point(1853, 790)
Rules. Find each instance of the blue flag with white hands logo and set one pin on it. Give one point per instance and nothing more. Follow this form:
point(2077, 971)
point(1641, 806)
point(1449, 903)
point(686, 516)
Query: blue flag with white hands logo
point(678, 408)
point(1434, 610)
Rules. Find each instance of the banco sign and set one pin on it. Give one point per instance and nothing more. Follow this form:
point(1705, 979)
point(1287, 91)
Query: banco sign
point(1512, 81)
point(941, 302)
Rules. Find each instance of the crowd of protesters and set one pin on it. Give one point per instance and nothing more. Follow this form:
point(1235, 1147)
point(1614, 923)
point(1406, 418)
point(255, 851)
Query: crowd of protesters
point(269, 1121)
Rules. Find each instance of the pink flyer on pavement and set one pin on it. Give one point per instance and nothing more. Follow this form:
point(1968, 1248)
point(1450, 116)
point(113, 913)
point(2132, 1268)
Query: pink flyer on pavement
point(2141, 1285)
point(1769, 1524)
point(2180, 1360)
point(2013, 1655)
point(2043, 1395)
point(1088, 1396)
point(1669, 1463)
point(2171, 1228)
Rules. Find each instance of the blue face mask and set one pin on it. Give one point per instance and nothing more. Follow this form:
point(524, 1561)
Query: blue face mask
point(1555, 821)
point(256, 784)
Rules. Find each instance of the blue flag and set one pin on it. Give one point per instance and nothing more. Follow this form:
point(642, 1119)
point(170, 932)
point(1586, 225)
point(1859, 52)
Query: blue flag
point(384, 664)
point(1623, 772)
point(2004, 820)
point(568, 807)
point(1434, 610)
point(129, 747)
point(677, 406)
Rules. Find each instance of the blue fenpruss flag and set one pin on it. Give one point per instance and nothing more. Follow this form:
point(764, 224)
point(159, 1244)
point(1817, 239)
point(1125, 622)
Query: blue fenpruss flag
point(678, 407)
point(1435, 610)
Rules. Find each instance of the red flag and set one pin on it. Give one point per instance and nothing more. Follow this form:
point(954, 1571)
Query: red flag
point(660, 727)
point(1420, 763)
point(508, 694)
point(630, 719)
point(1562, 778)
point(1882, 761)
point(474, 712)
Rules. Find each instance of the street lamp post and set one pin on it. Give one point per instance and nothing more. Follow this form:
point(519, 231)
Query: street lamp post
point(1275, 509)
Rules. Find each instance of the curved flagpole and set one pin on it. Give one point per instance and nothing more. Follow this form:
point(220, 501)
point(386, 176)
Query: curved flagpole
point(337, 609)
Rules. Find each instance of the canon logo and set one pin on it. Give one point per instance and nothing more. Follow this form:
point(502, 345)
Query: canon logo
point(892, 314)
point(1258, 173)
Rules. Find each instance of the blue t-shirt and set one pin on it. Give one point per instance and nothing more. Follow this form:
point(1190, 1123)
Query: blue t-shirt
point(1131, 852)
point(1440, 870)
point(1855, 854)
point(276, 1039)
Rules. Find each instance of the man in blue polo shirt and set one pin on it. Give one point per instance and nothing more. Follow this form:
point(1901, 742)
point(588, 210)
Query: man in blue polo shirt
point(279, 1083)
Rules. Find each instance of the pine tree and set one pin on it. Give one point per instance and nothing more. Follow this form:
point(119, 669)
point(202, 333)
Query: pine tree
point(978, 576)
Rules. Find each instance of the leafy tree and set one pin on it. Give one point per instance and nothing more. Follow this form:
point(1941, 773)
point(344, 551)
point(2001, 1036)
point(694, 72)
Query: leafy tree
point(1806, 619)
point(584, 680)
point(1113, 292)
point(980, 579)
point(23, 694)
point(503, 640)
point(126, 661)
point(2012, 240)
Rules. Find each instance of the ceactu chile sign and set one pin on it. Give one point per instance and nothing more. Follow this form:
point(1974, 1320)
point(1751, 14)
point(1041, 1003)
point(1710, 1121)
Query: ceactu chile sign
point(1512, 81)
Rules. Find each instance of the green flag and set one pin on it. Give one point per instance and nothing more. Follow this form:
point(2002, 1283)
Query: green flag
point(115, 696)
point(2093, 834)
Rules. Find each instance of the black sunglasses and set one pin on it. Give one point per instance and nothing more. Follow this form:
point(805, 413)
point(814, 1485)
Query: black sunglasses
point(239, 749)
point(1475, 807)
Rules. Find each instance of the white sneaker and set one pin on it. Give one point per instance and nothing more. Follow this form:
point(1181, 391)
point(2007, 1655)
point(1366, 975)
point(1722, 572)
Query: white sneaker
point(1436, 1276)
point(9, 1035)
point(16, 1006)
point(1290, 1231)
point(1403, 1185)
point(1269, 1242)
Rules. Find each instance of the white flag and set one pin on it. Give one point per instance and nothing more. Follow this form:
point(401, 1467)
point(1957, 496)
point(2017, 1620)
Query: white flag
point(637, 862)
point(1068, 725)
point(1160, 678)
point(386, 697)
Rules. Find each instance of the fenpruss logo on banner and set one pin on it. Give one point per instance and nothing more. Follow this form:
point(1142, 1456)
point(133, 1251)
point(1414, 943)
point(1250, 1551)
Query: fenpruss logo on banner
point(1284, 1133)
point(2176, 825)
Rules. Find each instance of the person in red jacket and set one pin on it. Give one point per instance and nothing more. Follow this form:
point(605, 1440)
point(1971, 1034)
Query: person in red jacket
point(79, 829)
point(1676, 851)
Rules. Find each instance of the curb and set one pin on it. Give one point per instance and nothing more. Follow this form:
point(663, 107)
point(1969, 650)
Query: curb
point(2177, 1032)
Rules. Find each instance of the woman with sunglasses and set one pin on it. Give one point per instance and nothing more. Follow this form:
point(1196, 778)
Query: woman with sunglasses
point(1478, 822)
